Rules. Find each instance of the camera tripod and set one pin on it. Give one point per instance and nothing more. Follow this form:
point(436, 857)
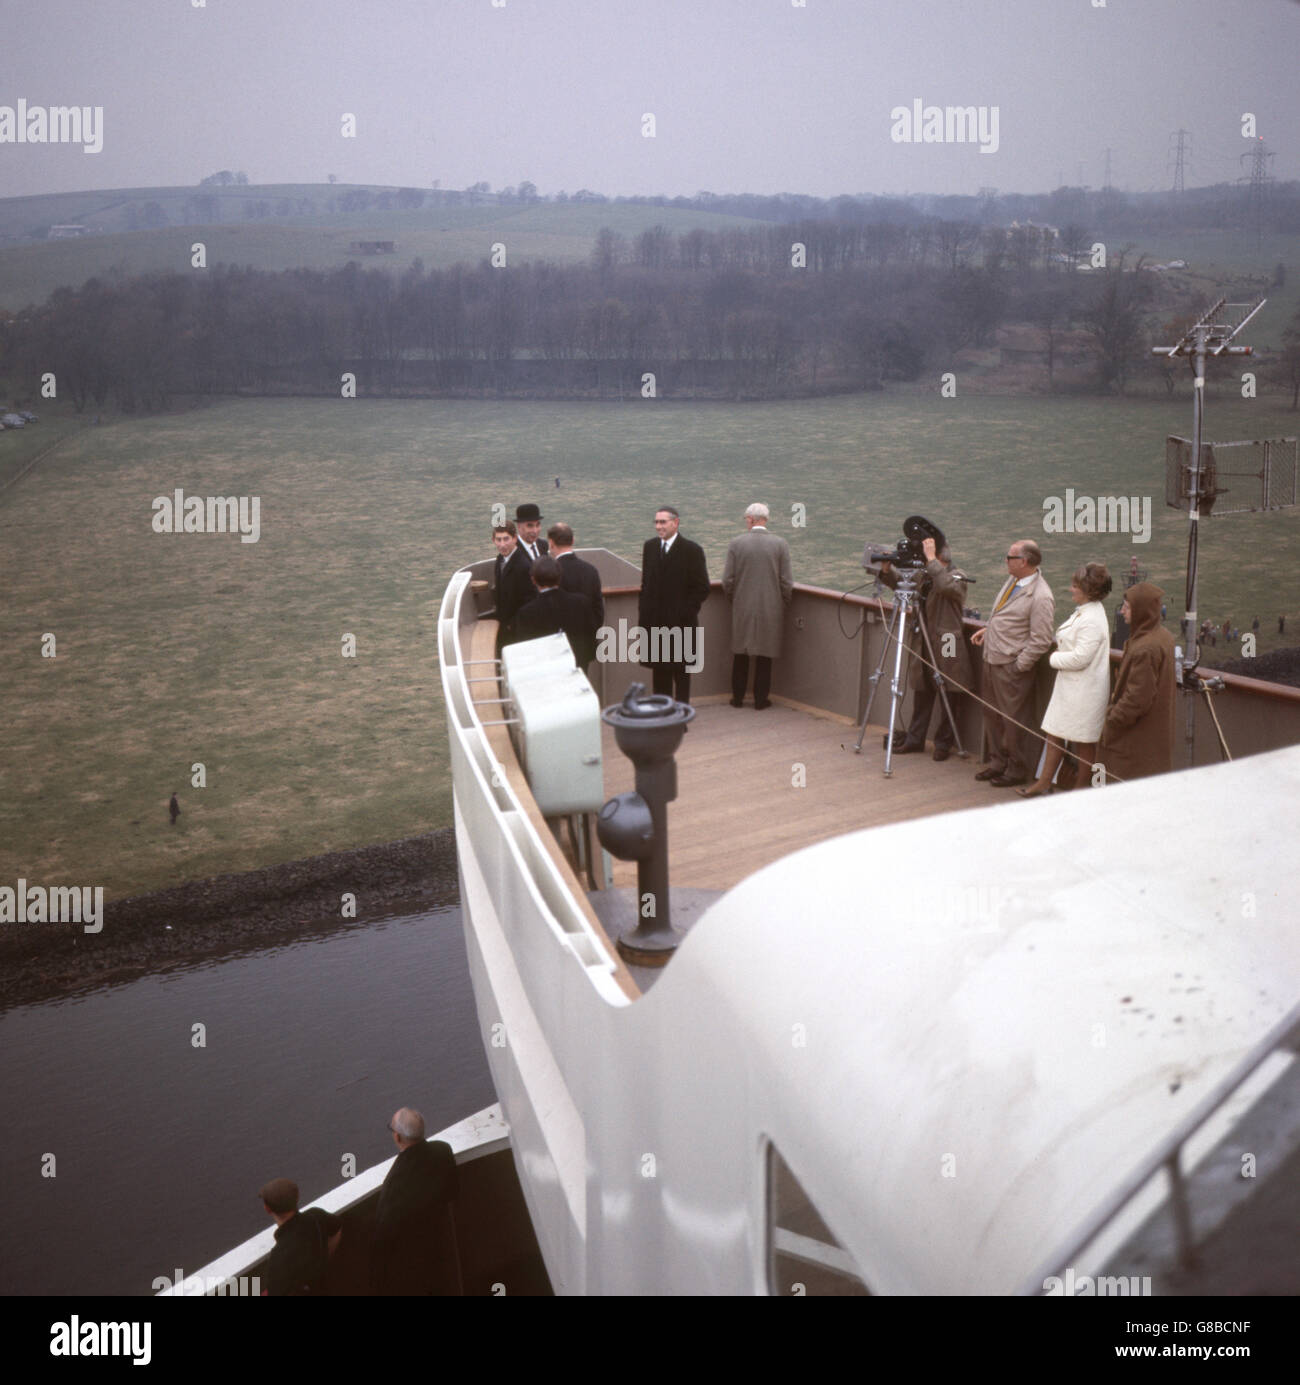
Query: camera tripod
point(906, 608)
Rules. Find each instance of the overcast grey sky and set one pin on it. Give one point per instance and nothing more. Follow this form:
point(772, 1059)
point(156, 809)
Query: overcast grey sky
point(747, 95)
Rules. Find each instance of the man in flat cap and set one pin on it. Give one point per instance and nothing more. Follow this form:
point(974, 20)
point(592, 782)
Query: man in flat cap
point(304, 1242)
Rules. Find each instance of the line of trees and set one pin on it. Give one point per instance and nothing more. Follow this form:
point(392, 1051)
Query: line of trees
point(1224, 206)
point(723, 314)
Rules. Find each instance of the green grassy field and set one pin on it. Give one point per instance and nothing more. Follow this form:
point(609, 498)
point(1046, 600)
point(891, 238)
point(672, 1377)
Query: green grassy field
point(440, 236)
point(175, 649)
point(19, 446)
point(1235, 264)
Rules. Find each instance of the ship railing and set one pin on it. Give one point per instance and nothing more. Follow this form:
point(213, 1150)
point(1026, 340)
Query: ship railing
point(231, 1275)
point(1167, 1158)
point(832, 644)
point(502, 833)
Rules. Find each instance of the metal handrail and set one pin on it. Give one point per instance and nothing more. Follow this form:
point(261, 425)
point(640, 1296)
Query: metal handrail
point(1167, 1155)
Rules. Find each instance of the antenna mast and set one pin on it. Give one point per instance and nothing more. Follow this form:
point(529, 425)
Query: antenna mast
point(1210, 336)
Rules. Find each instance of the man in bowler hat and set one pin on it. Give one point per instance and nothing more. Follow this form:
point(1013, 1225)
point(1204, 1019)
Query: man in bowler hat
point(528, 520)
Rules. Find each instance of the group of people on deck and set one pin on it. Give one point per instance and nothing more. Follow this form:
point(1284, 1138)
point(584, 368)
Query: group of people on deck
point(1128, 729)
point(543, 587)
point(1118, 732)
point(412, 1237)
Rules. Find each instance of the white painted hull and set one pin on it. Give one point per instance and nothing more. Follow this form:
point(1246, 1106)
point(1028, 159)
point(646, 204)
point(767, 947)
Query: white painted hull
point(955, 1101)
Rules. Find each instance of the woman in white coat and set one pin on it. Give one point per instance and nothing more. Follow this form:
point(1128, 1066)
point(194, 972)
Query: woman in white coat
point(1081, 659)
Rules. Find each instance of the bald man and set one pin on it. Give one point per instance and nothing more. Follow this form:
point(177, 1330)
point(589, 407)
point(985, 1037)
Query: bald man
point(1018, 633)
point(414, 1249)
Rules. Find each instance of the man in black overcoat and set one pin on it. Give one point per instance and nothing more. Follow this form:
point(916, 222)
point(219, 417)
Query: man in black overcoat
point(414, 1248)
point(576, 574)
point(553, 610)
point(674, 585)
point(304, 1242)
point(513, 588)
point(528, 522)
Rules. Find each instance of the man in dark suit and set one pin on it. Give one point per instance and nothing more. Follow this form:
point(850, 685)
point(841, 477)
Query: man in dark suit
point(304, 1242)
point(528, 520)
point(512, 587)
point(414, 1249)
point(553, 610)
point(674, 585)
point(576, 574)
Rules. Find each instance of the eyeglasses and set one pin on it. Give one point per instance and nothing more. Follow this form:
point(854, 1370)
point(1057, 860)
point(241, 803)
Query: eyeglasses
point(1015, 557)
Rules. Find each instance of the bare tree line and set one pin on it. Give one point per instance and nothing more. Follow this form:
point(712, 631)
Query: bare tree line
point(759, 312)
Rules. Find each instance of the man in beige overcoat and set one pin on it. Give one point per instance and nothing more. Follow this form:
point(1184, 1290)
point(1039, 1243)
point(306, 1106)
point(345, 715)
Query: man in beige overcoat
point(757, 580)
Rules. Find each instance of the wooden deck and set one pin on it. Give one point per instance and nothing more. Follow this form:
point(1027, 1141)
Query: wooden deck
point(737, 807)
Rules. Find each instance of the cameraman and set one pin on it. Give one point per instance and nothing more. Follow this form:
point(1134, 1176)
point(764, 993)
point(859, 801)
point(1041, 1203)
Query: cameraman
point(943, 594)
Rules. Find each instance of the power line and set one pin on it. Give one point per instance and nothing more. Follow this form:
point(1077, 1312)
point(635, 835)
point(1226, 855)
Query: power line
point(1257, 190)
point(1180, 156)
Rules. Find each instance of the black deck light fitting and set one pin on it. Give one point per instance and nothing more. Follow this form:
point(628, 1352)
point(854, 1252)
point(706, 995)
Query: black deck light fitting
point(634, 826)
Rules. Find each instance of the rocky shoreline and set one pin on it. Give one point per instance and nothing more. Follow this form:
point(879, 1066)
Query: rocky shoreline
point(204, 920)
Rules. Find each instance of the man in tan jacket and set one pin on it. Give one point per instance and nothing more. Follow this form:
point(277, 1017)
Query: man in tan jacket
point(1018, 633)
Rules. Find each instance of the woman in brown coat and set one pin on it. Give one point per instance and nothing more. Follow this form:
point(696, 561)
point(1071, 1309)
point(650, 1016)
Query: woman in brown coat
point(1138, 737)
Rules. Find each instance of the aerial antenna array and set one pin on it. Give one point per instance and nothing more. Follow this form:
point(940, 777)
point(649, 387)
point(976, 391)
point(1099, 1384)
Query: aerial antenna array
point(1192, 472)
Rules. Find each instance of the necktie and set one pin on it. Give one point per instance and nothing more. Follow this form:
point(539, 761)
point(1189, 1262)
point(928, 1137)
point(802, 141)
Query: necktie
point(663, 548)
point(1006, 596)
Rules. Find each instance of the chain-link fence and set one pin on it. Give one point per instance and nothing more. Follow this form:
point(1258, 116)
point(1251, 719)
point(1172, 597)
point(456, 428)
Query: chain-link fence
point(1236, 477)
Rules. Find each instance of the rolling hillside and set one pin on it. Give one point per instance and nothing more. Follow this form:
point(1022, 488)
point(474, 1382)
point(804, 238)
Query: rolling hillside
point(309, 234)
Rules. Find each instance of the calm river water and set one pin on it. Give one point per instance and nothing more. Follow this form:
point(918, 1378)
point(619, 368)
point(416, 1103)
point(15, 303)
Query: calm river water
point(160, 1146)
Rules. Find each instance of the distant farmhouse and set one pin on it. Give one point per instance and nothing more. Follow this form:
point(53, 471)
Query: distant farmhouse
point(373, 247)
point(65, 232)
